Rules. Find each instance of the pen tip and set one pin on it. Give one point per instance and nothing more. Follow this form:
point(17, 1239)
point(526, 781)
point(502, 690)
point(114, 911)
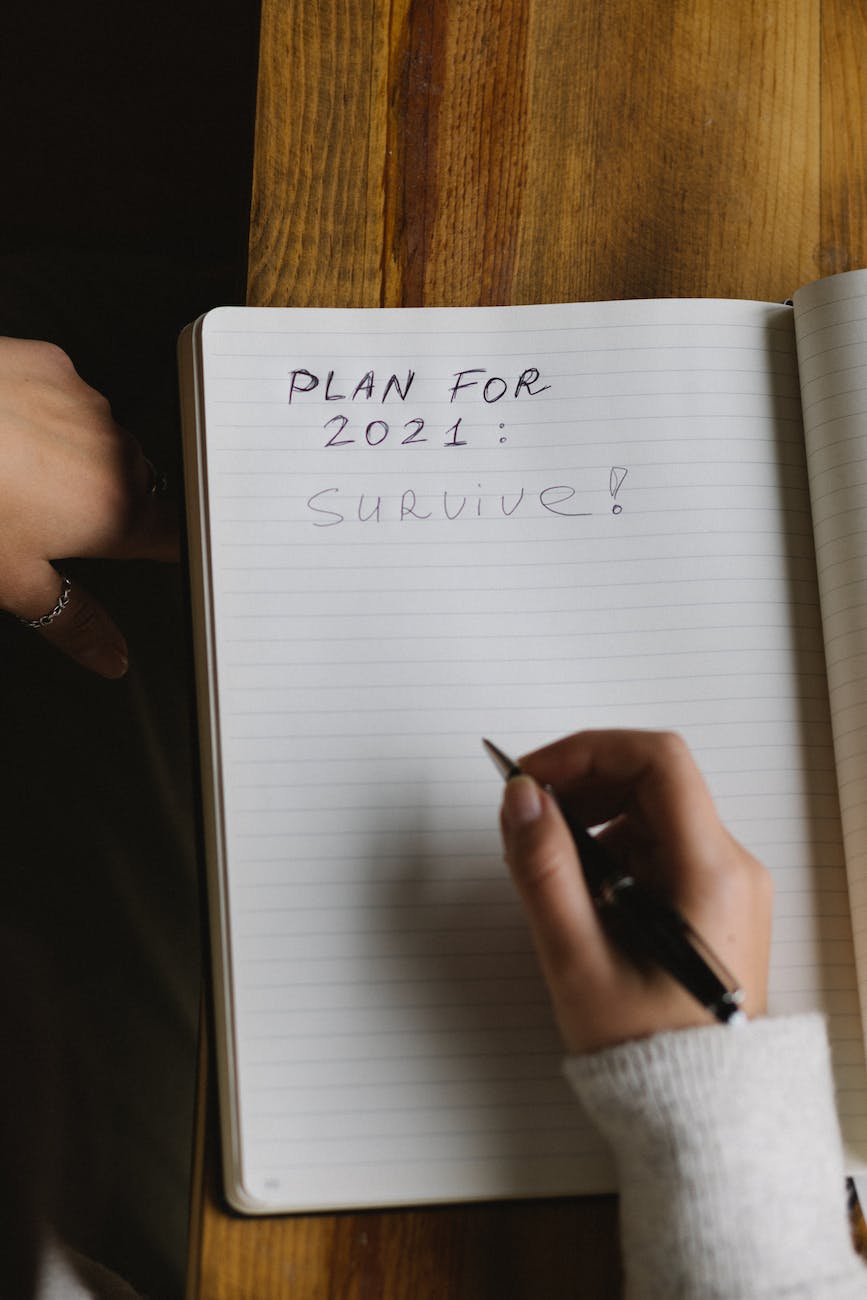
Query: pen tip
point(504, 765)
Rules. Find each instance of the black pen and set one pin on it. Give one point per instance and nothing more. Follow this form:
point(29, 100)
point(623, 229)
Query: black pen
point(644, 926)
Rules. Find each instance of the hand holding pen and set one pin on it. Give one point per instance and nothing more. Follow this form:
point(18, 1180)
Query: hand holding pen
point(662, 830)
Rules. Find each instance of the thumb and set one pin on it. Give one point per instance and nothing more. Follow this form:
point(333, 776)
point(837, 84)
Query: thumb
point(544, 863)
point(80, 629)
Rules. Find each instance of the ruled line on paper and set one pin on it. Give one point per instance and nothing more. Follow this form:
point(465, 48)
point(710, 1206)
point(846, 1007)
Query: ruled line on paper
point(369, 332)
point(720, 531)
point(582, 394)
point(762, 372)
point(427, 333)
point(488, 564)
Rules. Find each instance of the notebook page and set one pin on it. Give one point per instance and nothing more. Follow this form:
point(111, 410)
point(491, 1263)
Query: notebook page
point(831, 327)
point(426, 527)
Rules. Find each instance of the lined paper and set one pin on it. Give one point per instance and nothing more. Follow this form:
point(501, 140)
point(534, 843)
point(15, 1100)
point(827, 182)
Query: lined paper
point(831, 327)
point(549, 518)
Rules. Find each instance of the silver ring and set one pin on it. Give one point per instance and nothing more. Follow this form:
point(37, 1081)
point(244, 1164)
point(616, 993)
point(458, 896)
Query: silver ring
point(159, 481)
point(62, 602)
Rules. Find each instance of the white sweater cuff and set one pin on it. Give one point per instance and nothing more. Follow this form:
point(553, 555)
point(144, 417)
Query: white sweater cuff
point(730, 1160)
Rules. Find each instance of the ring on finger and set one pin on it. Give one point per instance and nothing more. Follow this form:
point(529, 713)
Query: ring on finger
point(158, 483)
point(62, 601)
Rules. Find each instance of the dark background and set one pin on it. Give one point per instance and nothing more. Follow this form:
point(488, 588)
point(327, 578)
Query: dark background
point(125, 166)
point(126, 135)
point(129, 125)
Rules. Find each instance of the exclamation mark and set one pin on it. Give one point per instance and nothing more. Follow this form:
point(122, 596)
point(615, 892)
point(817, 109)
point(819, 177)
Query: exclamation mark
point(615, 483)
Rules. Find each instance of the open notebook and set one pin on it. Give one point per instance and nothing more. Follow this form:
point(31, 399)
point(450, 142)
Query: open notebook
point(411, 528)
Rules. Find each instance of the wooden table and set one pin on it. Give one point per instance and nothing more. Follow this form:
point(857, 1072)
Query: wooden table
point(464, 152)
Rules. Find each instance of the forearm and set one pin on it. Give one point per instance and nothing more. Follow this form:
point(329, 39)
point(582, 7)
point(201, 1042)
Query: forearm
point(730, 1162)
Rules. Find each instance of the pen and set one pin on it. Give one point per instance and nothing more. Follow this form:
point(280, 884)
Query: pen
point(644, 926)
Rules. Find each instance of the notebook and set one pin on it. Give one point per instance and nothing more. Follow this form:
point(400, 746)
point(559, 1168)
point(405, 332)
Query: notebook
point(412, 528)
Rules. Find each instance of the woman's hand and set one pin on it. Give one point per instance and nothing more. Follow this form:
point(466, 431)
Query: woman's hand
point(662, 827)
point(72, 483)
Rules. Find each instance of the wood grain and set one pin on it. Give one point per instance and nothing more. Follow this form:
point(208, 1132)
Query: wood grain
point(672, 149)
point(526, 152)
point(842, 242)
point(317, 207)
point(456, 164)
point(486, 151)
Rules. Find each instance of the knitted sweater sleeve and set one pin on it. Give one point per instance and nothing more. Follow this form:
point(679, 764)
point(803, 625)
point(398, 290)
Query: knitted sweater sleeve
point(730, 1162)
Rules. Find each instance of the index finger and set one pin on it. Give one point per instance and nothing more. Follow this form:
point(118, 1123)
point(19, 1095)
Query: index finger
point(649, 776)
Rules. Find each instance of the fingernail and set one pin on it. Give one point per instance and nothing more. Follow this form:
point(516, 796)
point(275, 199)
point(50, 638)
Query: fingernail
point(108, 660)
point(116, 662)
point(522, 803)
